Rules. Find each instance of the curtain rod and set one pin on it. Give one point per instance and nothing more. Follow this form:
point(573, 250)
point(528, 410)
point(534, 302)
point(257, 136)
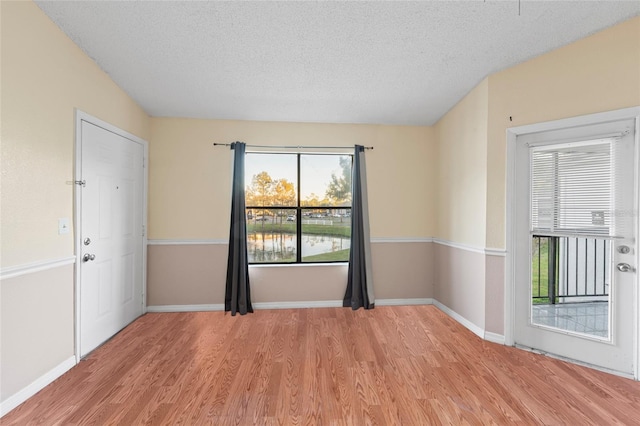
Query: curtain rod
point(291, 146)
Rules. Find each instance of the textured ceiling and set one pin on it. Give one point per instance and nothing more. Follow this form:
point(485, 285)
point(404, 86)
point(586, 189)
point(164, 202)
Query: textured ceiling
point(342, 62)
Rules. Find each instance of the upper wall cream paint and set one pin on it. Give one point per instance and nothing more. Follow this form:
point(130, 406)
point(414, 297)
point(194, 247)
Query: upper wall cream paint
point(461, 169)
point(190, 180)
point(598, 73)
point(45, 76)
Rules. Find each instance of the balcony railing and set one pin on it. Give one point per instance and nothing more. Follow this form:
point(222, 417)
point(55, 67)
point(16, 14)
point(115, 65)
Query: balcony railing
point(576, 269)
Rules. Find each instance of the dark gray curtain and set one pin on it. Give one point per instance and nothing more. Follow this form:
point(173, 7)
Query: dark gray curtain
point(360, 279)
point(237, 296)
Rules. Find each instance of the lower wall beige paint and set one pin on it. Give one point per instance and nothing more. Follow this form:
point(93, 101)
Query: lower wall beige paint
point(37, 326)
point(403, 270)
point(298, 283)
point(494, 294)
point(185, 274)
point(459, 282)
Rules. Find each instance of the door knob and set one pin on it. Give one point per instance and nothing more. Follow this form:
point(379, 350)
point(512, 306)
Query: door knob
point(624, 267)
point(87, 257)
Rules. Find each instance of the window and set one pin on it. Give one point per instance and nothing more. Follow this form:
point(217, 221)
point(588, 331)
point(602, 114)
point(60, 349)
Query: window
point(298, 207)
point(571, 188)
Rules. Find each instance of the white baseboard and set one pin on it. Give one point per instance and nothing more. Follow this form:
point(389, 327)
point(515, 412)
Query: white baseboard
point(255, 305)
point(298, 305)
point(186, 308)
point(21, 396)
point(462, 320)
point(285, 305)
point(494, 337)
point(403, 302)
point(337, 303)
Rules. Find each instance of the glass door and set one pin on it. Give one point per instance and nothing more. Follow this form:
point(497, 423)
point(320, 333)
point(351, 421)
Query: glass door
point(576, 239)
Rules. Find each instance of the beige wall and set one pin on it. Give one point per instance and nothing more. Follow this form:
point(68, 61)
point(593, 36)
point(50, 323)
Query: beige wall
point(194, 274)
point(447, 181)
point(403, 270)
point(598, 73)
point(44, 78)
point(190, 193)
point(186, 274)
point(461, 170)
point(459, 282)
point(494, 280)
point(595, 74)
point(36, 320)
point(461, 147)
point(190, 180)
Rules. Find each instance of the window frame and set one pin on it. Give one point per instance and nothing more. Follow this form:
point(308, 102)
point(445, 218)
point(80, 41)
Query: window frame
point(299, 209)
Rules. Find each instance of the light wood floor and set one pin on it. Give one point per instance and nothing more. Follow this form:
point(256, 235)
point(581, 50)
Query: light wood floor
point(392, 365)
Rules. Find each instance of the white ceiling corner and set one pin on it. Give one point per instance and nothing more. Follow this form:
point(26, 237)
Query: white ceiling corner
point(392, 62)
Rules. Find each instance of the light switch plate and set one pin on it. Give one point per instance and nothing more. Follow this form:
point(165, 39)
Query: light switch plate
point(63, 226)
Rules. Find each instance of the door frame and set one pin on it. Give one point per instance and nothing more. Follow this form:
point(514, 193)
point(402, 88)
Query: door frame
point(81, 116)
point(511, 255)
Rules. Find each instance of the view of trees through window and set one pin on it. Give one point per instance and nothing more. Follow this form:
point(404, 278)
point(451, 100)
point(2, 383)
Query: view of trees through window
point(298, 207)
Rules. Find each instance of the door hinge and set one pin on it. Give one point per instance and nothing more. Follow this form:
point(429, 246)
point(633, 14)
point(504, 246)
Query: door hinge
point(144, 161)
point(143, 230)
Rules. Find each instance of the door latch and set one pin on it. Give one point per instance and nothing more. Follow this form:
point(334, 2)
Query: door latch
point(625, 267)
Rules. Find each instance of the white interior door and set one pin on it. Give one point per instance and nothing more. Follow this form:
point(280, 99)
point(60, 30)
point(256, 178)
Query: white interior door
point(111, 234)
point(575, 249)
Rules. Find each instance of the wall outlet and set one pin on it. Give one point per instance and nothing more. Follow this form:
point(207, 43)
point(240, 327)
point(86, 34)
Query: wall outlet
point(64, 226)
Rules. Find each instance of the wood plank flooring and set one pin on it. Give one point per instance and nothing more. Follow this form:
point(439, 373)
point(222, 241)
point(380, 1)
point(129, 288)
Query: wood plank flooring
point(404, 365)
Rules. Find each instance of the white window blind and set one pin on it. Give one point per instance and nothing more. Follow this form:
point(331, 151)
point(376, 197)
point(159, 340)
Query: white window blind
point(572, 188)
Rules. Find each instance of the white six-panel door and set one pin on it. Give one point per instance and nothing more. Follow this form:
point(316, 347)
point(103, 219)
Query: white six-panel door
point(111, 234)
